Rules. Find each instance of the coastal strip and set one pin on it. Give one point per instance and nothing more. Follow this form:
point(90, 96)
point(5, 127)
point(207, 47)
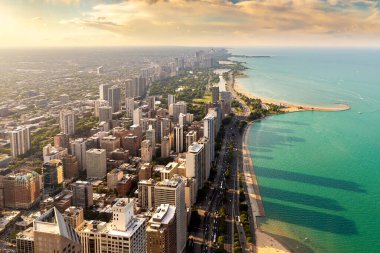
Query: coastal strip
point(287, 107)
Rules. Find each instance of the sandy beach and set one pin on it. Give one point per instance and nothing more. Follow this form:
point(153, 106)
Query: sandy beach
point(289, 107)
point(267, 244)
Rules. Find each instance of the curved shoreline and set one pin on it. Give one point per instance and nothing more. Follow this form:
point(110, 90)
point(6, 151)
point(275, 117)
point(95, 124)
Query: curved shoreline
point(289, 107)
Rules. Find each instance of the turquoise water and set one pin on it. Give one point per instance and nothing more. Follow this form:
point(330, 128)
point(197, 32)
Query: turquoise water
point(319, 172)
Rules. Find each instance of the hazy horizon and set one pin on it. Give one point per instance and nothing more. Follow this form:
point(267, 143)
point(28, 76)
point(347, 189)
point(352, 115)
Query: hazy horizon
point(200, 23)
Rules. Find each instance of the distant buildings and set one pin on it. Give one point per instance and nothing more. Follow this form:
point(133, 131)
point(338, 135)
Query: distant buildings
point(20, 141)
point(103, 91)
point(67, 122)
point(226, 98)
point(96, 163)
point(209, 132)
point(178, 139)
point(179, 107)
point(129, 107)
point(105, 113)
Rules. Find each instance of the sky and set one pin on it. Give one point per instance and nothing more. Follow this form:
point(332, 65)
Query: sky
point(59, 23)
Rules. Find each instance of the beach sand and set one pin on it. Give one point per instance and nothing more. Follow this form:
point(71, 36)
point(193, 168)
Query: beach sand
point(267, 244)
point(289, 107)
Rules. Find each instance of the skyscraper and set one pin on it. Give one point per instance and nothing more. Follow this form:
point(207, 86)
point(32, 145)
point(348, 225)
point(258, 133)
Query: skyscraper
point(137, 115)
point(67, 122)
point(171, 99)
point(129, 107)
point(105, 113)
point(82, 194)
point(161, 231)
point(151, 136)
point(78, 149)
point(20, 141)
point(146, 193)
point(178, 139)
point(209, 132)
point(52, 173)
point(226, 98)
point(190, 138)
point(96, 163)
point(172, 192)
point(215, 94)
point(129, 88)
point(114, 98)
point(179, 107)
point(165, 147)
point(103, 91)
point(195, 163)
point(99, 103)
point(146, 151)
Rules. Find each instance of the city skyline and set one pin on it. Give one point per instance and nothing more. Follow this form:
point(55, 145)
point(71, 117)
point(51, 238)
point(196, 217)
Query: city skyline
point(50, 23)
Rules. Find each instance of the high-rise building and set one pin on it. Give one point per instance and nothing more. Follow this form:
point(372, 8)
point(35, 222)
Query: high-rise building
point(131, 143)
point(73, 216)
point(113, 177)
point(70, 167)
point(161, 231)
point(151, 136)
point(172, 192)
point(209, 132)
point(67, 122)
point(20, 189)
point(226, 98)
point(114, 98)
point(146, 194)
point(190, 138)
point(126, 233)
point(179, 107)
point(165, 127)
point(103, 91)
point(195, 163)
point(207, 157)
point(105, 114)
point(129, 107)
point(182, 119)
point(20, 141)
point(82, 194)
point(165, 147)
point(178, 139)
point(171, 99)
point(78, 149)
point(109, 143)
point(96, 163)
point(129, 88)
point(137, 116)
point(61, 140)
point(151, 101)
point(99, 103)
point(146, 151)
point(215, 94)
point(52, 173)
point(50, 233)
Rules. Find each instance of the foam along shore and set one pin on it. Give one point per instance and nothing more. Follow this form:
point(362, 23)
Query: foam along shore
point(288, 106)
point(267, 244)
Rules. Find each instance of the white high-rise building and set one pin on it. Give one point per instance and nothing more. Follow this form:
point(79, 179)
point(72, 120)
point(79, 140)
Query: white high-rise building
point(20, 141)
point(151, 136)
point(78, 149)
point(195, 163)
point(126, 233)
point(99, 103)
point(209, 132)
point(190, 138)
point(103, 91)
point(96, 163)
point(129, 107)
point(137, 116)
point(206, 157)
point(178, 139)
point(67, 122)
point(179, 107)
point(172, 192)
point(182, 119)
point(171, 99)
point(146, 194)
point(114, 98)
